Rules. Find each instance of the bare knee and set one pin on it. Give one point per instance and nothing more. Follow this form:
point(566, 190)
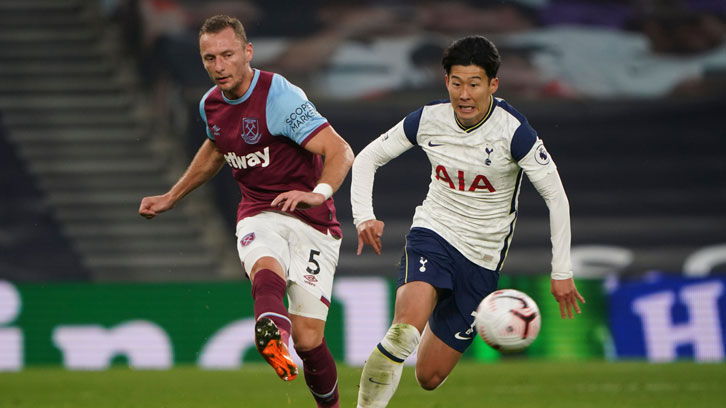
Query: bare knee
point(305, 340)
point(305, 344)
point(307, 333)
point(430, 382)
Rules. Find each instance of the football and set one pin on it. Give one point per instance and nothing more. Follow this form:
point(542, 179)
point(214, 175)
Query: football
point(508, 320)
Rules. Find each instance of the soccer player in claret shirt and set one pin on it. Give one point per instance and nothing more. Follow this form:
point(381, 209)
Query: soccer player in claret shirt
point(478, 146)
point(288, 237)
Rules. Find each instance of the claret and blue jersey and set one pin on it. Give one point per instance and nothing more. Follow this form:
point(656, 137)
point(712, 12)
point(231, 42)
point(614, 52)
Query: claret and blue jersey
point(262, 135)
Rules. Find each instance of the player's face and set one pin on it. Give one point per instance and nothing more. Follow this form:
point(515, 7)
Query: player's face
point(227, 61)
point(469, 90)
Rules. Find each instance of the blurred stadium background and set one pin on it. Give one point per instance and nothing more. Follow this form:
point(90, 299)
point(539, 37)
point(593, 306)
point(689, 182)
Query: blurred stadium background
point(99, 107)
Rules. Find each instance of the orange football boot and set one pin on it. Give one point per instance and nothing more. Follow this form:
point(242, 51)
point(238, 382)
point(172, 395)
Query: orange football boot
point(273, 349)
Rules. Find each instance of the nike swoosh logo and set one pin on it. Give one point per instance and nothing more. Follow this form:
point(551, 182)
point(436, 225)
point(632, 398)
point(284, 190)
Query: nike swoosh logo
point(434, 144)
point(460, 337)
point(376, 382)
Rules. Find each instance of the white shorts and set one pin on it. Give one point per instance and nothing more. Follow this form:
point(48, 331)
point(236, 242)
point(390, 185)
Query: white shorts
point(307, 256)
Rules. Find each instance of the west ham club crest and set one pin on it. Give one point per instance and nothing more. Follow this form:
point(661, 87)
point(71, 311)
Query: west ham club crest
point(247, 239)
point(250, 130)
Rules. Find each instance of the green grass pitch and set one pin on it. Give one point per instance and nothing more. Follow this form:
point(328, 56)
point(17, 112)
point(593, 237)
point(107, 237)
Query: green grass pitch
point(523, 383)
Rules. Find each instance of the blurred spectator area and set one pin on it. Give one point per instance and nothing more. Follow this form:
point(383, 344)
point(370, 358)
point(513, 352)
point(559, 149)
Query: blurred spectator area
point(627, 95)
point(594, 49)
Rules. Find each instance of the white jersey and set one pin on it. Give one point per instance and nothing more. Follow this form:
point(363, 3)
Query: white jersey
point(476, 174)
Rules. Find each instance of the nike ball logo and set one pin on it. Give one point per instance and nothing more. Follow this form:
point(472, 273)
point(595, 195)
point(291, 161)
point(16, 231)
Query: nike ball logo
point(460, 337)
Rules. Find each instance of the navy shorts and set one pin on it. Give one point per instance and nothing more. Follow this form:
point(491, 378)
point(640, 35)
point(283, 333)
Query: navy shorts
point(461, 284)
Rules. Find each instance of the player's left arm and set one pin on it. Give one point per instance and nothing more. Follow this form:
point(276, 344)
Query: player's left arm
point(338, 157)
point(337, 153)
point(291, 114)
point(562, 283)
point(541, 170)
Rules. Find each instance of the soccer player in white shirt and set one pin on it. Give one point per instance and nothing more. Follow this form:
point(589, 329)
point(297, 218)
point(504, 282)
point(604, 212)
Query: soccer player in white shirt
point(478, 146)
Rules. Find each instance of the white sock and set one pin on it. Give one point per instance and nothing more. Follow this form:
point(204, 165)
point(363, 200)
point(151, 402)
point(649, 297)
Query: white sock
point(382, 371)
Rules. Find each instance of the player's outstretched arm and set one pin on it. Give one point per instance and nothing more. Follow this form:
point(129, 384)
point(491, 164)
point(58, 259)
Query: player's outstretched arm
point(205, 165)
point(338, 159)
point(566, 294)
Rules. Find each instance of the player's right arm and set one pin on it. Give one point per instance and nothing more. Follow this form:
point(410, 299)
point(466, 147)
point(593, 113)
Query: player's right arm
point(379, 152)
point(206, 163)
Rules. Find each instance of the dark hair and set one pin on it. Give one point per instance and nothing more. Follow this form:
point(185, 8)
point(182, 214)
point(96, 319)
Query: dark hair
point(472, 50)
point(218, 23)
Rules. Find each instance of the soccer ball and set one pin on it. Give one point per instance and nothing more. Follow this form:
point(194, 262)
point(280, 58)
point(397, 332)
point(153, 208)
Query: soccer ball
point(508, 320)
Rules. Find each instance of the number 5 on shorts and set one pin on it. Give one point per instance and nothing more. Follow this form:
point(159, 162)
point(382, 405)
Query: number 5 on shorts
point(312, 260)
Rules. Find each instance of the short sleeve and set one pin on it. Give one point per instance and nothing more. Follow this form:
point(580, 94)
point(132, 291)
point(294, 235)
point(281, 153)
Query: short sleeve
point(203, 112)
point(290, 113)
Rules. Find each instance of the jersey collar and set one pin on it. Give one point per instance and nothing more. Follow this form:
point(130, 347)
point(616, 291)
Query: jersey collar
point(247, 94)
point(476, 126)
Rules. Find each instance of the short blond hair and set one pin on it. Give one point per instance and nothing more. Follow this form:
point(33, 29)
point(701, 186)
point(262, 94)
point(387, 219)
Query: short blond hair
point(219, 22)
